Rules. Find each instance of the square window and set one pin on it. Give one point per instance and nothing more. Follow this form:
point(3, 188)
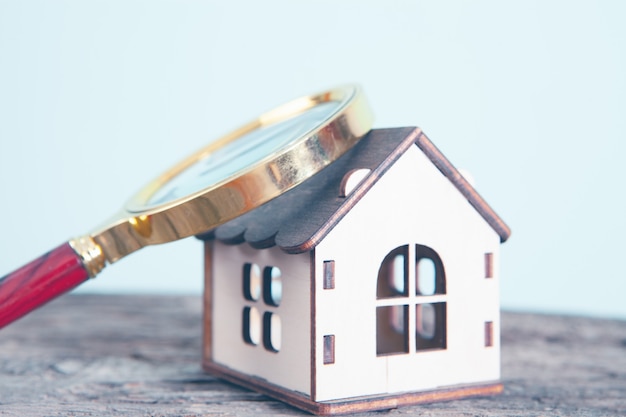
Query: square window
point(392, 330)
point(430, 326)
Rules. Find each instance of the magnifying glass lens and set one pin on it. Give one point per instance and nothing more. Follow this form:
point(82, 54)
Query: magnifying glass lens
point(244, 152)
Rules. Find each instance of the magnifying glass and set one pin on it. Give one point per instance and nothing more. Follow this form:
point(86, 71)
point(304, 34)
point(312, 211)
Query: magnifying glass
point(229, 177)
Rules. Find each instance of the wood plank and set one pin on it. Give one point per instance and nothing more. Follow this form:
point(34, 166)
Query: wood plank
point(141, 355)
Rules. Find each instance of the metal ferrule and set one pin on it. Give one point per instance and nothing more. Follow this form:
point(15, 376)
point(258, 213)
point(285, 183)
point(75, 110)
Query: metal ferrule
point(90, 253)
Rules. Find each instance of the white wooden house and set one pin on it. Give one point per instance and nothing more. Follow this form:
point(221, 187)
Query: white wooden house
point(372, 285)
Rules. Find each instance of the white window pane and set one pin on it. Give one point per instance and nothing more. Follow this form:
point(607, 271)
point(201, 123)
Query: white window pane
point(272, 332)
point(251, 325)
point(272, 286)
point(426, 276)
point(251, 282)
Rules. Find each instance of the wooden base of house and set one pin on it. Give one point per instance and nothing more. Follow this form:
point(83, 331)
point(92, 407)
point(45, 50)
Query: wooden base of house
point(351, 405)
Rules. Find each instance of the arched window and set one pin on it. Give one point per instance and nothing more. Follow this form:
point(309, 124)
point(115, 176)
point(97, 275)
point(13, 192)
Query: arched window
point(411, 301)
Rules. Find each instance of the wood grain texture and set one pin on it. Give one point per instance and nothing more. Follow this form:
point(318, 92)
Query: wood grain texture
point(140, 356)
point(40, 281)
point(299, 219)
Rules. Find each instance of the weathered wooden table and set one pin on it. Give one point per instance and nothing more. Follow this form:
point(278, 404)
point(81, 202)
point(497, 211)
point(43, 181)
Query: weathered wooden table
point(140, 356)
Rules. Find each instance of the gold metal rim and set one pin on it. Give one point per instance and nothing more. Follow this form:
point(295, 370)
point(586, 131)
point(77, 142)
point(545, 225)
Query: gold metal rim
point(139, 225)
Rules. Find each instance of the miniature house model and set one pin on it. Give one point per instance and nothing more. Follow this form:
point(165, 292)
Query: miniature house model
point(374, 284)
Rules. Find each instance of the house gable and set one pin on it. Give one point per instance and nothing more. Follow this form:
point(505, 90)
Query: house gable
point(396, 213)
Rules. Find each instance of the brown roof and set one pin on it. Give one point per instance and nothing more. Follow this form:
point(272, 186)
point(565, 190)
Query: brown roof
point(298, 220)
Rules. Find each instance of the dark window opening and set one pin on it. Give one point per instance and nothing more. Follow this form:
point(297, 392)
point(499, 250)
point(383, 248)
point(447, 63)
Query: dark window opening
point(393, 274)
point(392, 330)
point(430, 326)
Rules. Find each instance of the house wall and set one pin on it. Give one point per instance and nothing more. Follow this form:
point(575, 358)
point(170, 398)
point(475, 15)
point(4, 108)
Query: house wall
point(412, 203)
point(290, 366)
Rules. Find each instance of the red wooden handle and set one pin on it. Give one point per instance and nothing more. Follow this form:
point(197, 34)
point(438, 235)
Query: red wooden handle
point(38, 282)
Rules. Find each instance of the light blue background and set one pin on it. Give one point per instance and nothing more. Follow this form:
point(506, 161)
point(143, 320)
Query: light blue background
point(97, 97)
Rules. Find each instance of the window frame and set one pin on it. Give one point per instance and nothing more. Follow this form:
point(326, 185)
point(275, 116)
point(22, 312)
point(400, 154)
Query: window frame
point(411, 300)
